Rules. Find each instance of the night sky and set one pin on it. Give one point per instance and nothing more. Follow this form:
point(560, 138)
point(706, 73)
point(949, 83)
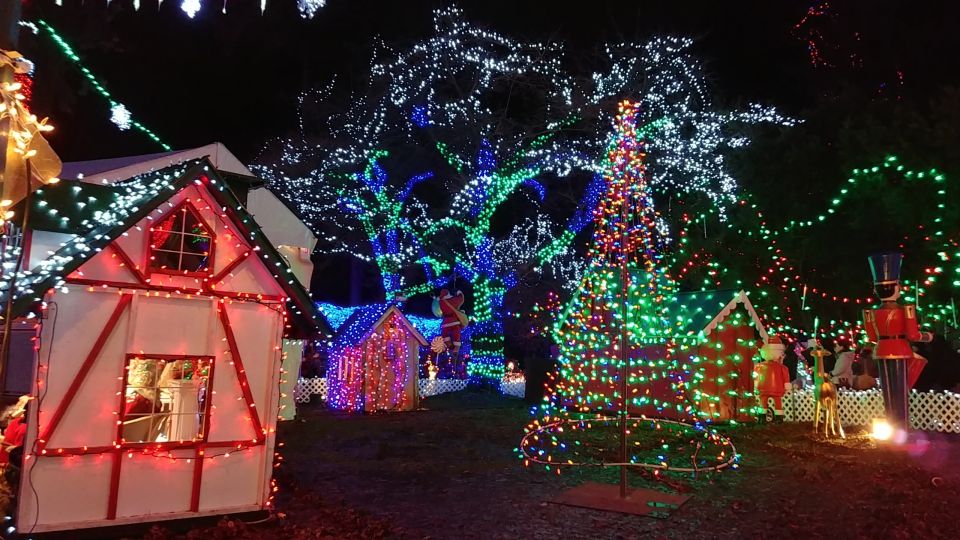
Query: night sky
point(235, 78)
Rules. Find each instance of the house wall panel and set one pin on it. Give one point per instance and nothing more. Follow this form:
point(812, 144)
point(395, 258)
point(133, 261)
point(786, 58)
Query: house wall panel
point(172, 326)
point(154, 485)
point(257, 329)
point(233, 481)
point(68, 490)
point(80, 318)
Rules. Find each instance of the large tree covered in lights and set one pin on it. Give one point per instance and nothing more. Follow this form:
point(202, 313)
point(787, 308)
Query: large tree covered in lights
point(445, 166)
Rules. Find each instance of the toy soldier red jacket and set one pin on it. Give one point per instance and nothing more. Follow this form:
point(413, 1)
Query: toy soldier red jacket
point(892, 327)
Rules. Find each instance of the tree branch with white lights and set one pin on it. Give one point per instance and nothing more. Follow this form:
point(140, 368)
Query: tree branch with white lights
point(447, 162)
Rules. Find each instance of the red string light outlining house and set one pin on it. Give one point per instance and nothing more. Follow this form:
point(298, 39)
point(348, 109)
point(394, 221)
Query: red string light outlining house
point(163, 316)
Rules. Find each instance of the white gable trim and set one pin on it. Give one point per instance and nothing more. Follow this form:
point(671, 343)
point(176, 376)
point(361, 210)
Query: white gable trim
point(740, 298)
point(221, 158)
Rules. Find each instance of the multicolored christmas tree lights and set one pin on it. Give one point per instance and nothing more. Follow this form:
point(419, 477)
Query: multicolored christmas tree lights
point(622, 359)
point(790, 292)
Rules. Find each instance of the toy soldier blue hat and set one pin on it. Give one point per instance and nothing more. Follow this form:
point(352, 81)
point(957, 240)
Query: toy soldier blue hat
point(885, 267)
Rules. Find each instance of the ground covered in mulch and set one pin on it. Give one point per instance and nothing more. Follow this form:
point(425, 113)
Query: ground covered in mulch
point(450, 471)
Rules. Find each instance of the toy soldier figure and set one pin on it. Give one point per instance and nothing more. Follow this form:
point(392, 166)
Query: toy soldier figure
point(892, 327)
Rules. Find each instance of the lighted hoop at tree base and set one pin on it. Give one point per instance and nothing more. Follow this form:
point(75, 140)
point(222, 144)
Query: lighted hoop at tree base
point(726, 458)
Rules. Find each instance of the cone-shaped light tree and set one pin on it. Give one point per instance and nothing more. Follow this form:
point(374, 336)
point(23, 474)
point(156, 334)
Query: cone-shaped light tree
point(621, 306)
point(620, 360)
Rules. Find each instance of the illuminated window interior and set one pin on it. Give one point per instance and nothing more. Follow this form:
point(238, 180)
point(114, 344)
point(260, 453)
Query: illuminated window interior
point(166, 399)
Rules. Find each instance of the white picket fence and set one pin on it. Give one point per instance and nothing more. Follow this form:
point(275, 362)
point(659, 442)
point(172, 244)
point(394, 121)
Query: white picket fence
point(515, 387)
point(929, 411)
point(309, 387)
point(433, 387)
point(317, 386)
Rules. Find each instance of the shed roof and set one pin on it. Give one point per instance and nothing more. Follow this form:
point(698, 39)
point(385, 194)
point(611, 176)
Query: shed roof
point(364, 319)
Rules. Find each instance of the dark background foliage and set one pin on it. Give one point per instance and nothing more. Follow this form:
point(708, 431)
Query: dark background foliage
point(888, 83)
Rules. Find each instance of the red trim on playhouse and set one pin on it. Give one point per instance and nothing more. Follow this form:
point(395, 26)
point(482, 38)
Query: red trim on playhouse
point(128, 262)
point(197, 479)
point(201, 448)
point(84, 370)
point(215, 280)
point(114, 496)
point(203, 291)
point(149, 448)
point(241, 374)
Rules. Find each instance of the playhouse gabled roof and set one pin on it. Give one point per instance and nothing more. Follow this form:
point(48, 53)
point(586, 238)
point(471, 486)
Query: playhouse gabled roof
point(364, 319)
point(699, 312)
point(275, 216)
point(98, 214)
point(404, 321)
point(337, 316)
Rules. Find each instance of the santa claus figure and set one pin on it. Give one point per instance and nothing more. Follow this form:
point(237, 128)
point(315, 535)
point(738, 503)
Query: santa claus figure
point(772, 378)
point(892, 327)
point(454, 319)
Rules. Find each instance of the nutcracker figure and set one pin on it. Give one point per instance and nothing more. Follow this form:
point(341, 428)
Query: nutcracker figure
point(892, 327)
point(772, 378)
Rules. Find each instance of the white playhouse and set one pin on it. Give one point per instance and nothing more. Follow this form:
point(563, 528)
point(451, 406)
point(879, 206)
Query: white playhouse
point(163, 312)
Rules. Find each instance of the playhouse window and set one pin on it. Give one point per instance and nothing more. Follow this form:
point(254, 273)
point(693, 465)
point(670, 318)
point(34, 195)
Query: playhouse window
point(180, 243)
point(166, 399)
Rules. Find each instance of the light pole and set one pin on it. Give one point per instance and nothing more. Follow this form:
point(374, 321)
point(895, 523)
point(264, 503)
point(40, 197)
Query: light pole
point(9, 37)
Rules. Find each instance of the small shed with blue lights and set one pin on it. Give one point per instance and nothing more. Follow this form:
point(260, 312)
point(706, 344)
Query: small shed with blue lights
point(374, 361)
